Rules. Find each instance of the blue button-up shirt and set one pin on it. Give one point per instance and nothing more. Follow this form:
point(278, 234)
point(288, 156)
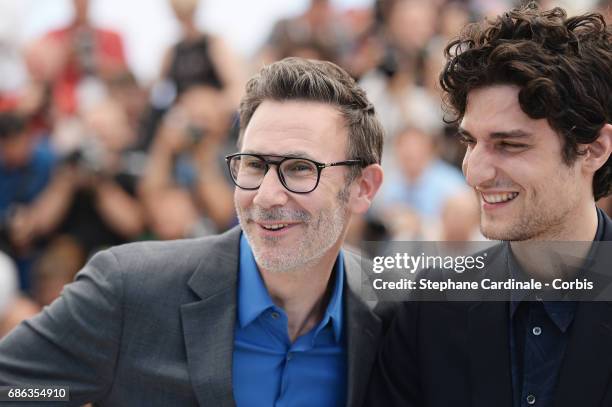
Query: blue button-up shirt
point(269, 370)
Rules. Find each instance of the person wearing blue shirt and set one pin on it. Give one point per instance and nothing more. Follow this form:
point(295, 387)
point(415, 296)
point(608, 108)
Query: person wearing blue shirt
point(266, 314)
point(26, 163)
point(26, 166)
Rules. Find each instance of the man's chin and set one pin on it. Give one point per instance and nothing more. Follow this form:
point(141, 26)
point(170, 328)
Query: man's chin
point(497, 230)
point(508, 234)
point(275, 264)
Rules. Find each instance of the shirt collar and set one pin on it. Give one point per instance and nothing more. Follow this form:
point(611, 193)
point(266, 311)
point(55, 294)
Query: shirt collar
point(254, 299)
point(561, 313)
point(334, 308)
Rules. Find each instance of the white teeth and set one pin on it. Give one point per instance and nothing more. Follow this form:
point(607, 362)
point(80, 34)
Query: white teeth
point(274, 227)
point(497, 198)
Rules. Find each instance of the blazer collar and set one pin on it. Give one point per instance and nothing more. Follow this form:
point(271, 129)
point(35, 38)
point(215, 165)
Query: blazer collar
point(218, 269)
point(208, 323)
point(587, 365)
point(488, 340)
point(363, 330)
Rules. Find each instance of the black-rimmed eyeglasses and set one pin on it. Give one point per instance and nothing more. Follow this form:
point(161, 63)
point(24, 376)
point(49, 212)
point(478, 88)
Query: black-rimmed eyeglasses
point(298, 175)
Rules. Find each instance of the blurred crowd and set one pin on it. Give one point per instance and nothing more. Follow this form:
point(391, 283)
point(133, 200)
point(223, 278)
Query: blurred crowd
point(90, 157)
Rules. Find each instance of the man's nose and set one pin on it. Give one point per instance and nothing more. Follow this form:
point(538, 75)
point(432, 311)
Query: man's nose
point(271, 192)
point(478, 166)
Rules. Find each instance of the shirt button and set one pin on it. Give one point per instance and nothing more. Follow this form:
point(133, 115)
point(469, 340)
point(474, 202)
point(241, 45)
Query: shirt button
point(531, 399)
point(275, 315)
point(537, 330)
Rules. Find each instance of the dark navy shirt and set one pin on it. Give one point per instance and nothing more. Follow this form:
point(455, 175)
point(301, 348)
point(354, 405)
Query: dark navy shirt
point(539, 333)
point(269, 370)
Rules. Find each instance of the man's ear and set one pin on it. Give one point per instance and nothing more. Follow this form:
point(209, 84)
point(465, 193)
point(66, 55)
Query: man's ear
point(365, 187)
point(598, 152)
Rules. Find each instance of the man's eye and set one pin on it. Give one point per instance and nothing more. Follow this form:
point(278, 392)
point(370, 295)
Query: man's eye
point(512, 146)
point(300, 168)
point(466, 141)
point(255, 165)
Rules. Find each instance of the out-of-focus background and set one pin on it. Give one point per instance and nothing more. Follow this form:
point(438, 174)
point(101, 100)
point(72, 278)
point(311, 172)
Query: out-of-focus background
point(115, 116)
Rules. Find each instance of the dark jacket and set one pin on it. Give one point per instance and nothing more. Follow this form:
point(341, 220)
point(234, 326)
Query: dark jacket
point(442, 354)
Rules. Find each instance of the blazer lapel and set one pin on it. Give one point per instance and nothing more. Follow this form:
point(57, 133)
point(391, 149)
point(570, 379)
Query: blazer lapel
point(587, 365)
point(208, 324)
point(363, 328)
point(489, 354)
point(489, 343)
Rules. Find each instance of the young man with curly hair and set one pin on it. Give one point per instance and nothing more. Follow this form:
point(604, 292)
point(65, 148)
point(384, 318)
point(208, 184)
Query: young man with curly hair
point(532, 94)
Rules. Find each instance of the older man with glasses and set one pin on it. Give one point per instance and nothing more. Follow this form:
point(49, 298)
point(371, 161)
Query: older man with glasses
point(264, 314)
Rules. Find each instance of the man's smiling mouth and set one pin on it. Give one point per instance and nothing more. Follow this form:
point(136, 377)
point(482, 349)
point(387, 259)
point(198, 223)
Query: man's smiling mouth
point(499, 198)
point(275, 227)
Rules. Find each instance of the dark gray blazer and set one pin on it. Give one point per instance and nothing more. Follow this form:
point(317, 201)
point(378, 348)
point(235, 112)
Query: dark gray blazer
point(152, 324)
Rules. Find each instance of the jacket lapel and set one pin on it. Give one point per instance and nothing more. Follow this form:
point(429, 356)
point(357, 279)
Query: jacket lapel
point(208, 324)
point(489, 342)
point(489, 354)
point(363, 328)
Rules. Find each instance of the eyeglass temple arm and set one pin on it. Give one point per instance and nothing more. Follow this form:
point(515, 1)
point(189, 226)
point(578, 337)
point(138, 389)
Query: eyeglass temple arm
point(348, 162)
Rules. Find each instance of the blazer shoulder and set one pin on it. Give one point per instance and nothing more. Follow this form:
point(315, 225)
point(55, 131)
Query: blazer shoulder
point(177, 255)
point(154, 267)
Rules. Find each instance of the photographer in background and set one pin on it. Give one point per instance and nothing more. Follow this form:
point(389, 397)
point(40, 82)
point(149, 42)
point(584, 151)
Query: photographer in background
point(76, 60)
point(91, 197)
point(26, 165)
point(395, 87)
point(199, 58)
point(184, 188)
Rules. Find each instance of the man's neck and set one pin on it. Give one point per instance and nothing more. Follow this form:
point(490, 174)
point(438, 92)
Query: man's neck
point(552, 255)
point(303, 293)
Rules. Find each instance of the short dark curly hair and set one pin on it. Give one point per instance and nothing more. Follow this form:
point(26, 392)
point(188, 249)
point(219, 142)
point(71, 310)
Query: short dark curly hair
point(563, 67)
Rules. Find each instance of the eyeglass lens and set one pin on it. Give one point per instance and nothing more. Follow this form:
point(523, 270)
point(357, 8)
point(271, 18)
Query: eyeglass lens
point(299, 175)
